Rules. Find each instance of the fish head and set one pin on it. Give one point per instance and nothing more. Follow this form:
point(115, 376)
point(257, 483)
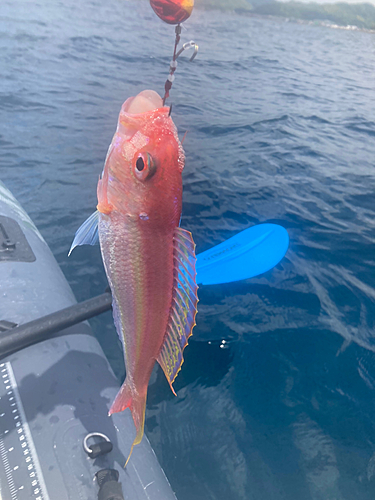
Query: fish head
point(142, 177)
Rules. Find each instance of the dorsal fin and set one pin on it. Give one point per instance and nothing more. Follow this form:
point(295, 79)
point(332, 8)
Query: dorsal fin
point(184, 306)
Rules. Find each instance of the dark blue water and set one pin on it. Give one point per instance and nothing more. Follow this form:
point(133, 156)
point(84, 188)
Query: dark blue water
point(281, 128)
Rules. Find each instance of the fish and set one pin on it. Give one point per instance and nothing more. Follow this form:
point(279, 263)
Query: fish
point(148, 258)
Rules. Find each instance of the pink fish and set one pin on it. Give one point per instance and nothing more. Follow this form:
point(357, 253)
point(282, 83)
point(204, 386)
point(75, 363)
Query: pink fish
point(148, 258)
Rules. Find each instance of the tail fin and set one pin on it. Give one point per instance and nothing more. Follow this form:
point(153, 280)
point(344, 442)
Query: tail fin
point(128, 398)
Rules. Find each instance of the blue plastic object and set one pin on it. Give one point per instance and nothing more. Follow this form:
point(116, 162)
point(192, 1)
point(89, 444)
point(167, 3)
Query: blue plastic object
point(247, 254)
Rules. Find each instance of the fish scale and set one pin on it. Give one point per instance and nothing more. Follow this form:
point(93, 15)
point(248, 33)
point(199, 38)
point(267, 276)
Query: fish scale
point(135, 287)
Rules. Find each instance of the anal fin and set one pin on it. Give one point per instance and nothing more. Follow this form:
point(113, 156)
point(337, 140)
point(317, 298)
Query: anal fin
point(184, 306)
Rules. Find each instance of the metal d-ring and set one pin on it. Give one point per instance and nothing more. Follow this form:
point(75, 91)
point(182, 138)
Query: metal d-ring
point(88, 450)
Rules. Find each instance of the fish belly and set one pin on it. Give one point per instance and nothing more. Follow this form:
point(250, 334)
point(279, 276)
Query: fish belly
point(139, 266)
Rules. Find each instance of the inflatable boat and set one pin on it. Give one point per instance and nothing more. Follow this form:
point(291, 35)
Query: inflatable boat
point(56, 439)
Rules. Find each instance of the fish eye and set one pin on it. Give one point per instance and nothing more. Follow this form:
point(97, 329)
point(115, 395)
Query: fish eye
point(140, 164)
point(144, 166)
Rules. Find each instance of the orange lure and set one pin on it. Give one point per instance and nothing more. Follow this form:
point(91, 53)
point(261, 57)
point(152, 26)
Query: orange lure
point(148, 258)
point(172, 11)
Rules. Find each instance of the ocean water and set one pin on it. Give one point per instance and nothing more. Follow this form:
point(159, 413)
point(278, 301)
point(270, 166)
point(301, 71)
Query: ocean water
point(276, 398)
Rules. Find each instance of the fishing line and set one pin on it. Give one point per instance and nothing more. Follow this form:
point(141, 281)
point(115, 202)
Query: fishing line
point(173, 12)
point(173, 63)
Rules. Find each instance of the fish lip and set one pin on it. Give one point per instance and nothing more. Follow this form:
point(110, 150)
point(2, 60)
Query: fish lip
point(127, 103)
point(128, 123)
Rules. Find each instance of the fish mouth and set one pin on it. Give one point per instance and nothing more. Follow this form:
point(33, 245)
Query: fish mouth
point(138, 111)
point(144, 102)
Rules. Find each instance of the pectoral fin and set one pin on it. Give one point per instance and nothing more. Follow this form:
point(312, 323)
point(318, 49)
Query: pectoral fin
point(184, 306)
point(87, 234)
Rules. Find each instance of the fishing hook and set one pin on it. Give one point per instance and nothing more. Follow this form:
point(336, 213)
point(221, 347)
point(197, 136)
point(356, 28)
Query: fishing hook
point(173, 63)
point(186, 46)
